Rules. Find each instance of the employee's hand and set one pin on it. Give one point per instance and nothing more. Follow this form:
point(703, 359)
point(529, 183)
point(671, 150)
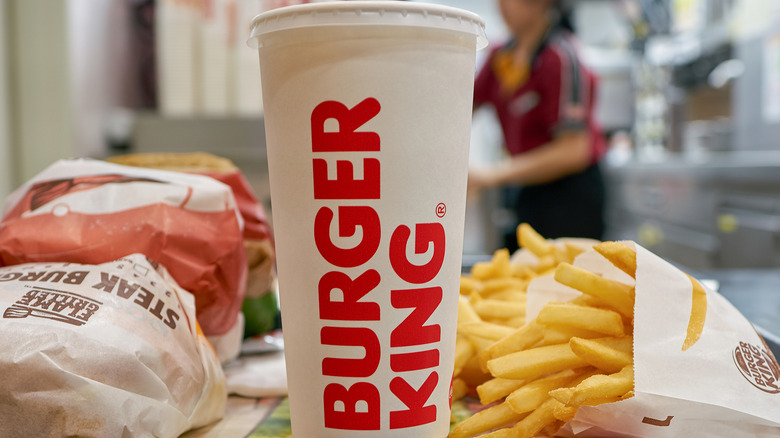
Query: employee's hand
point(479, 178)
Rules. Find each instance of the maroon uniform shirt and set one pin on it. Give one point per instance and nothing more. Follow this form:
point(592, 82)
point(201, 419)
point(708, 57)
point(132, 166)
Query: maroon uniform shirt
point(557, 96)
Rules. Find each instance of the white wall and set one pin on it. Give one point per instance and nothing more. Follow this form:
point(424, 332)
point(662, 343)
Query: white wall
point(102, 79)
point(38, 65)
point(6, 179)
point(67, 70)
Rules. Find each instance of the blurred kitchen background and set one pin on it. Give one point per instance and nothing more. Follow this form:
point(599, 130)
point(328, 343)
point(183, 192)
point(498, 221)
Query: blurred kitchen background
point(690, 98)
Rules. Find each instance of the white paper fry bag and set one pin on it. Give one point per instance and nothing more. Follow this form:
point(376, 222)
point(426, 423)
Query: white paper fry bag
point(700, 367)
point(109, 350)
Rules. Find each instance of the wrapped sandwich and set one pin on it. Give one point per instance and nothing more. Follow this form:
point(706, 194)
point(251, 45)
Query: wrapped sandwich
point(109, 350)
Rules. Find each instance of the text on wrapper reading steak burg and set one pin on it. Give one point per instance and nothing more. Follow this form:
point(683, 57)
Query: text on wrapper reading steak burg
point(80, 310)
point(358, 406)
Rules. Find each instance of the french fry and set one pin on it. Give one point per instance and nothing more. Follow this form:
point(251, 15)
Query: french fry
point(515, 322)
point(510, 295)
point(520, 339)
point(463, 352)
point(523, 272)
point(621, 256)
point(482, 270)
point(466, 313)
point(532, 395)
point(607, 354)
point(469, 285)
point(561, 255)
point(615, 294)
point(528, 238)
point(485, 330)
point(535, 362)
point(472, 373)
point(498, 267)
point(563, 395)
point(598, 320)
point(602, 388)
point(497, 388)
point(532, 424)
point(490, 308)
point(546, 264)
point(573, 251)
point(564, 412)
point(496, 285)
point(479, 343)
point(555, 334)
point(485, 420)
point(500, 433)
point(587, 300)
point(552, 428)
point(501, 263)
point(459, 389)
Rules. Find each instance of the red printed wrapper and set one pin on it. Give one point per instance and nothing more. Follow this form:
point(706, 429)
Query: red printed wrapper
point(719, 379)
point(257, 233)
point(85, 211)
point(255, 222)
point(258, 238)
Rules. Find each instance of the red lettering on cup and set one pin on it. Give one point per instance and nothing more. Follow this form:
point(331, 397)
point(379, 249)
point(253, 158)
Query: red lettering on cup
point(349, 308)
point(412, 331)
point(340, 297)
point(418, 360)
point(350, 217)
point(345, 186)
point(417, 413)
point(355, 337)
point(345, 139)
point(425, 236)
point(344, 298)
point(356, 408)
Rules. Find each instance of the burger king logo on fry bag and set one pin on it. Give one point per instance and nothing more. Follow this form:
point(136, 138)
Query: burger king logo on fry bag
point(758, 366)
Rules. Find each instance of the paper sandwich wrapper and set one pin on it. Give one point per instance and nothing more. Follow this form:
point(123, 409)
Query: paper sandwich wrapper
point(726, 383)
point(109, 350)
point(93, 212)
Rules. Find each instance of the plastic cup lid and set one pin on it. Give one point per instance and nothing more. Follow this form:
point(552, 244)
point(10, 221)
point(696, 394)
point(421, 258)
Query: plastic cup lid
point(362, 13)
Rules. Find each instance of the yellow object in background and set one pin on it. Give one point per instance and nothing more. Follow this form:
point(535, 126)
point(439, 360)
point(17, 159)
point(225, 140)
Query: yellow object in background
point(650, 235)
point(509, 73)
point(728, 223)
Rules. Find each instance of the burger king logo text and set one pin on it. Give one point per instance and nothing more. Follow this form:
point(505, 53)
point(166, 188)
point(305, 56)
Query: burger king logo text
point(758, 366)
point(345, 309)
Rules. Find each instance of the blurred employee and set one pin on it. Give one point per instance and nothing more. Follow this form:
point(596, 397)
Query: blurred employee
point(543, 96)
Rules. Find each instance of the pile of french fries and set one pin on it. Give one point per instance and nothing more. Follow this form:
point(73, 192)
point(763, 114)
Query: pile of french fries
point(534, 375)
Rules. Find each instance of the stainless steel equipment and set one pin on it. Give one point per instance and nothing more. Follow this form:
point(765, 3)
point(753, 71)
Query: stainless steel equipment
point(721, 212)
point(756, 124)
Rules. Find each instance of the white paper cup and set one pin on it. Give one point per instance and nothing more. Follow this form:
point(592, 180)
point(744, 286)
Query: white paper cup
point(367, 118)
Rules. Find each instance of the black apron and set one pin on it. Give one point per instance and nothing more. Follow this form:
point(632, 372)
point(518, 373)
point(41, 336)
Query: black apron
point(572, 206)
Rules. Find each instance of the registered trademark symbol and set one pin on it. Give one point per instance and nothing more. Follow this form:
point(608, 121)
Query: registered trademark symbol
point(441, 210)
